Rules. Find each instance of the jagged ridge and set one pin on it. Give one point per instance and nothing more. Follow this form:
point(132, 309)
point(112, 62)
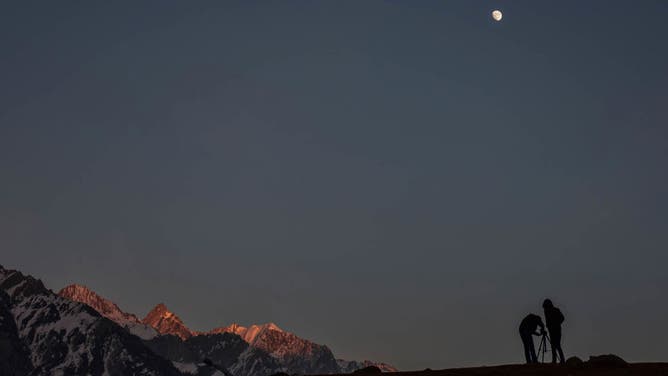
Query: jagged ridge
point(268, 349)
point(108, 309)
point(66, 337)
point(166, 322)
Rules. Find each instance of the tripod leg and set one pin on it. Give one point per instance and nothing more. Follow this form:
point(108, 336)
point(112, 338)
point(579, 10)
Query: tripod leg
point(541, 349)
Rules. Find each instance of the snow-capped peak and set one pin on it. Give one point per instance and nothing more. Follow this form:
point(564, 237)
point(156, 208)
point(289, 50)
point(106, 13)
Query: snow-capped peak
point(249, 334)
point(292, 353)
point(272, 326)
point(166, 322)
point(54, 335)
point(108, 309)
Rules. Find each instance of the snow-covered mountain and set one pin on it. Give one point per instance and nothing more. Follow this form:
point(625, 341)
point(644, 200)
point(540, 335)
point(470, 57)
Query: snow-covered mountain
point(105, 307)
point(15, 355)
point(52, 335)
point(228, 351)
point(78, 331)
point(294, 354)
point(166, 322)
point(108, 309)
point(249, 334)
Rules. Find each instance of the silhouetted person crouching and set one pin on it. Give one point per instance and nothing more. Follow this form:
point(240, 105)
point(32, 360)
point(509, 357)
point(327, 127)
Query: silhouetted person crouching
point(553, 320)
point(528, 329)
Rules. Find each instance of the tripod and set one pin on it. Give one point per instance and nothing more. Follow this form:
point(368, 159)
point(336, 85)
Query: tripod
point(542, 348)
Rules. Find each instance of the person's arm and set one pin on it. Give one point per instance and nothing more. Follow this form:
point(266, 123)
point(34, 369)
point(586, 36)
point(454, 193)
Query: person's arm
point(542, 328)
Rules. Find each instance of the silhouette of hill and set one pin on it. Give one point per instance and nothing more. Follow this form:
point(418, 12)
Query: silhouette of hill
point(586, 369)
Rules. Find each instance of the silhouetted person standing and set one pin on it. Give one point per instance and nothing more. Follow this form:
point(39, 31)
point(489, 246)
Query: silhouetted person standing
point(528, 328)
point(553, 320)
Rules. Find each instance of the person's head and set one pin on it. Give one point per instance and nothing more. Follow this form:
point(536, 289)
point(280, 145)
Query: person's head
point(547, 303)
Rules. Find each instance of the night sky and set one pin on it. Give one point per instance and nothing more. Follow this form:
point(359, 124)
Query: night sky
point(400, 180)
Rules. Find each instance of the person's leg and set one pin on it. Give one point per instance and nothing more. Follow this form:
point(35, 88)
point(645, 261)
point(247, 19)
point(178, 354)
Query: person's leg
point(554, 345)
point(525, 342)
point(532, 349)
point(561, 355)
point(559, 350)
point(555, 341)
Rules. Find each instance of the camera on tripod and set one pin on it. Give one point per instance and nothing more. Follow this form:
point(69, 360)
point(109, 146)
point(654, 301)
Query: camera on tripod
point(542, 348)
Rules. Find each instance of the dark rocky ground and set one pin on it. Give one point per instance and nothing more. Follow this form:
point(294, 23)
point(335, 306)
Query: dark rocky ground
point(641, 369)
point(600, 367)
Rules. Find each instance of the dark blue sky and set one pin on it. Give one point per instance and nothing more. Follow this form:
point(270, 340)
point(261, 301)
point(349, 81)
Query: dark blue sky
point(400, 180)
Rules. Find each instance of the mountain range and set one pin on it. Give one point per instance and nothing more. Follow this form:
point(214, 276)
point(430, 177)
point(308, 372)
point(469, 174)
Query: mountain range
point(77, 331)
point(51, 335)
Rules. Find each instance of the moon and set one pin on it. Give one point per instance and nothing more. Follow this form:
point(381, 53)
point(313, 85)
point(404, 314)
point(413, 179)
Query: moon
point(497, 15)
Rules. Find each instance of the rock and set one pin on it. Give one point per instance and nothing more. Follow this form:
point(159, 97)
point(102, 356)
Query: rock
point(280, 374)
point(574, 361)
point(368, 370)
point(610, 360)
point(14, 354)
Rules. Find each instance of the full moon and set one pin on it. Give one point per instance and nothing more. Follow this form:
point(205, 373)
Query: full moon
point(497, 15)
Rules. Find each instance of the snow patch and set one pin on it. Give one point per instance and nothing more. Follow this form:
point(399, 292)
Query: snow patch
point(190, 368)
point(142, 331)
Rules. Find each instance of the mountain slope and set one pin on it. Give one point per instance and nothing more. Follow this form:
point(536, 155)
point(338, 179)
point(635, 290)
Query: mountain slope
point(166, 322)
point(294, 354)
point(66, 337)
point(297, 355)
point(249, 334)
point(108, 309)
point(14, 355)
point(187, 351)
point(258, 350)
point(226, 350)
